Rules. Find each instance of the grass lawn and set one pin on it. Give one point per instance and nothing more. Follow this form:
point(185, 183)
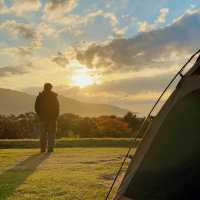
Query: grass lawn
point(70, 142)
point(66, 174)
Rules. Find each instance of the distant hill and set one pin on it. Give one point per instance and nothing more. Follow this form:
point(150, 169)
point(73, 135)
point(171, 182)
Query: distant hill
point(15, 102)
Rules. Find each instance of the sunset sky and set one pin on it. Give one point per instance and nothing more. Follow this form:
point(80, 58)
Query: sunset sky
point(119, 52)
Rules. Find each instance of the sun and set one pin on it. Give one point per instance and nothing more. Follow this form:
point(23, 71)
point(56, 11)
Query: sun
point(82, 80)
point(82, 75)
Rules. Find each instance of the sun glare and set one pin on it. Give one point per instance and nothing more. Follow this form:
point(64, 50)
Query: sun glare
point(82, 80)
point(83, 76)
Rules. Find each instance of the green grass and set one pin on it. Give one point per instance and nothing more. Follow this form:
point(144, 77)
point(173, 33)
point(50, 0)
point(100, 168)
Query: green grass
point(66, 174)
point(80, 142)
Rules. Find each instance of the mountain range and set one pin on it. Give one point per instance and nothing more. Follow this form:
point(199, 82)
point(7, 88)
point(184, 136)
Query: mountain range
point(16, 102)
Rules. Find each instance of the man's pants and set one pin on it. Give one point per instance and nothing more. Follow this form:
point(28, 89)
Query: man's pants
point(47, 135)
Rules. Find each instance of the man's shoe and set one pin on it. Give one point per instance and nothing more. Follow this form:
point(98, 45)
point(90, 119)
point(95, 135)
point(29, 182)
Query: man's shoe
point(42, 151)
point(50, 150)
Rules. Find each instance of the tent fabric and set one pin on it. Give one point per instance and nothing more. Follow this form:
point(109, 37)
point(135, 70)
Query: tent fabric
point(167, 163)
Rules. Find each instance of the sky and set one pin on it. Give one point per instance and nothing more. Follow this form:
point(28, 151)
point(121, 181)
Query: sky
point(118, 52)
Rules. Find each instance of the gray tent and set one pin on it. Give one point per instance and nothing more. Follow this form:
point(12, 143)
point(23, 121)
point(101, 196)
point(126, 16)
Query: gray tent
point(166, 165)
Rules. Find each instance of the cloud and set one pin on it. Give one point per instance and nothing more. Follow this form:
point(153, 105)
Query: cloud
point(137, 94)
point(22, 51)
point(60, 59)
point(112, 19)
point(3, 7)
point(21, 7)
point(145, 26)
point(16, 60)
point(45, 29)
point(56, 9)
point(13, 70)
point(25, 31)
point(2, 4)
point(163, 14)
point(75, 23)
point(158, 48)
point(132, 86)
point(64, 59)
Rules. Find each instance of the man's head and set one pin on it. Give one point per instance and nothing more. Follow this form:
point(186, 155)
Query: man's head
point(48, 87)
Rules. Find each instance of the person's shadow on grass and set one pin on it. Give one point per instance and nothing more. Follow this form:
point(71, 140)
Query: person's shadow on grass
point(12, 178)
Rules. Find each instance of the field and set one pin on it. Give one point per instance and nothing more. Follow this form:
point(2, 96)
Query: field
point(66, 174)
point(70, 142)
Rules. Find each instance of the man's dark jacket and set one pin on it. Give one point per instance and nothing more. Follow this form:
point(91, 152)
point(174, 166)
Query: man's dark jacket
point(47, 106)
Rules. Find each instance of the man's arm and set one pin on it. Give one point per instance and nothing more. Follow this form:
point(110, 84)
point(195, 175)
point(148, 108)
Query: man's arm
point(57, 107)
point(37, 105)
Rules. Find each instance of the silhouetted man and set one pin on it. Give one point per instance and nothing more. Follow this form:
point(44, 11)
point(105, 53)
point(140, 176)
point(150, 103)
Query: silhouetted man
point(47, 108)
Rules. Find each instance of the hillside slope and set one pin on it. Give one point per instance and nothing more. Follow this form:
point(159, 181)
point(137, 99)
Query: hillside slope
point(15, 102)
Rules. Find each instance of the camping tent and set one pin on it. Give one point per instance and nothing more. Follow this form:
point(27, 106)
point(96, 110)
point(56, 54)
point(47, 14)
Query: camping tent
point(166, 164)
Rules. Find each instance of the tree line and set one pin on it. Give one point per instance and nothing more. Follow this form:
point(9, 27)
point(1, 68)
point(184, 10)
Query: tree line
point(70, 125)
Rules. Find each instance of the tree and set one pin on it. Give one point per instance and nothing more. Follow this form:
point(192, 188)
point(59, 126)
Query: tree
point(133, 121)
point(112, 127)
